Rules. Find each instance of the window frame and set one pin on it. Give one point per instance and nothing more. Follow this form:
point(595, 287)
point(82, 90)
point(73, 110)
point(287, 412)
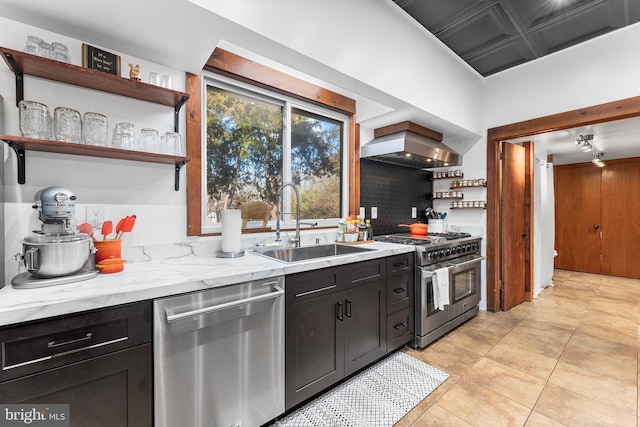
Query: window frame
point(288, 104)
point(240, 69)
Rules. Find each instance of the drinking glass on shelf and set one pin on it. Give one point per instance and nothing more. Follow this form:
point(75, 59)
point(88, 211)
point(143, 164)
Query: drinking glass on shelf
point(123, 136)
point(32, 45)
point(67, 125)
point(154, 79)
point(45, 49)
point(96, 129)
point(165, 81)
point(60, 52)
point(34, 120)
point(173, 143)
point(148, 140)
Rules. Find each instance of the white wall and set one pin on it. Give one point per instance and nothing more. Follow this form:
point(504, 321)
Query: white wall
point(600, 70)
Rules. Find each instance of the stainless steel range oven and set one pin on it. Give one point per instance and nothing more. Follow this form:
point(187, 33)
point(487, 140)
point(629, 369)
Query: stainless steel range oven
point(459, 254)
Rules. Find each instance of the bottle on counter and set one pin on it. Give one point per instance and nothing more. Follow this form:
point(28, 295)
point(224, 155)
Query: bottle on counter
point(369, 230)
point(342, 228)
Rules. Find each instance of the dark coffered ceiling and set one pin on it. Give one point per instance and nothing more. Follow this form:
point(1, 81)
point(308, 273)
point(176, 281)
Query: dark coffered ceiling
point(494, 35)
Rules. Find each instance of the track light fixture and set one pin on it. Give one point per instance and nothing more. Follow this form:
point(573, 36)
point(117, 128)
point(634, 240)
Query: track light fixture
point(582, 142)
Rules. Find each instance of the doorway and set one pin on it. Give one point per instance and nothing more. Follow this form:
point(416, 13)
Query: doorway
point(616, 110)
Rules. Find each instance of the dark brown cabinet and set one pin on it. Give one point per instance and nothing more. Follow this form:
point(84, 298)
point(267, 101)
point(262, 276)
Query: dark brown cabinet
point(99, 363)
point(336, 324)
point(400, 300)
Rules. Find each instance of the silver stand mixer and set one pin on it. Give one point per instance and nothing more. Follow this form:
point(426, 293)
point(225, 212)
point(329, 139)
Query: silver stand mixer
point(56, 254)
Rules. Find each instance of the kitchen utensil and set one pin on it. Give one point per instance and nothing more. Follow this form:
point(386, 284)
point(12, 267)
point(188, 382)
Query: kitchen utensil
point(111, 265)
point(416, 228)
point(107, 228)
point(108, 248)
point(53, 256)
point(127, 226)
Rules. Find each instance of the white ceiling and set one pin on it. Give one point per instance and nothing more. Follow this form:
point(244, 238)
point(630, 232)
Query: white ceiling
point(616, 139)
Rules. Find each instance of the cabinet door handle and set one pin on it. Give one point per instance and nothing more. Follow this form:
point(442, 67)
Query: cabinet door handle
point(400, 326)
point(399, 290)
point(53, 344)
point(340, 311)
point(348, 309)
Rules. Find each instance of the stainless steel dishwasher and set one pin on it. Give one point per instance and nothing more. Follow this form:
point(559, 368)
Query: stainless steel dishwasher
point(219, 356)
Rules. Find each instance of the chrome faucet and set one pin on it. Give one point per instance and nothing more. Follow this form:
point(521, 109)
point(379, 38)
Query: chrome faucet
point(295, 241)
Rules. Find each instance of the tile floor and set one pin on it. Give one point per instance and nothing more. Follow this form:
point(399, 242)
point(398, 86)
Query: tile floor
point(569, 358)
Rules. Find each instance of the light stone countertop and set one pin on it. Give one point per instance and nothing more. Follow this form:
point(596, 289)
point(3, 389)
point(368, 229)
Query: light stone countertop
point(156, 279)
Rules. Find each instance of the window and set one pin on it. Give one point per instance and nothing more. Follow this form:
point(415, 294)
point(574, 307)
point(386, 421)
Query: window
point(256, 140)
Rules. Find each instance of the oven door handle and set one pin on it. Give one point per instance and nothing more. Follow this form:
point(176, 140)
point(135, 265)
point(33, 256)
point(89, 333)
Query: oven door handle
point(471, 261)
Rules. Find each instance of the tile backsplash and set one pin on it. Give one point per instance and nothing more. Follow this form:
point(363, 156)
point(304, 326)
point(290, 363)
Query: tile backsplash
point(394, 190)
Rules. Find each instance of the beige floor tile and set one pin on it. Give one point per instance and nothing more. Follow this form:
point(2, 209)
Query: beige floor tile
point(522, 359)
point(607, 307)
point(539, 420)
point(447, 357)
point(550, 342)
point(509, 382)
point(605, 346)
point(479, 405)
point(602, 388)
point(623, 337)
point(544, 316)
point(572, 409)
point(437, 416)
point(471, 340)
point(576, 357)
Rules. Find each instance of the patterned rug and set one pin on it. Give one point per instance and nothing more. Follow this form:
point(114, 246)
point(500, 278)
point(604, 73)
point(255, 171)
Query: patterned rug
point(377, 397)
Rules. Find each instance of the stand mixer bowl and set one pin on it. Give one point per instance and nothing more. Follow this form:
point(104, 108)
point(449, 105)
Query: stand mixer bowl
point(55, 256)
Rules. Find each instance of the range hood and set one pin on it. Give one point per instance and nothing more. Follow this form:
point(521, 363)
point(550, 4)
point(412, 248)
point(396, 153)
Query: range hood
point(411, 145)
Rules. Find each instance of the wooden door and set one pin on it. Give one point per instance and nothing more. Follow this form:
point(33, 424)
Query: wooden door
point(620, 223)
point(578, 190)
point(513, 228)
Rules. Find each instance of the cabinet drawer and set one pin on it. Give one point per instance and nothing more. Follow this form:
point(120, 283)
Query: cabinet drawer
point(362, 272)
point(399, 328)
point(399, 292)
point(311, 284)
point(55, 342)
point(399, 264)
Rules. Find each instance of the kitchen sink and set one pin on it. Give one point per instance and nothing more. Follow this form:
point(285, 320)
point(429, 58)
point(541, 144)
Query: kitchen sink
point(310, 252)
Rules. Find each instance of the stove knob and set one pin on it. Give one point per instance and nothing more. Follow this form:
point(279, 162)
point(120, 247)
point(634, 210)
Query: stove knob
point(431, 256)
point(463, 248)
point(441, 253)
point(458, 249)
point(469, 248)
point(447, 252)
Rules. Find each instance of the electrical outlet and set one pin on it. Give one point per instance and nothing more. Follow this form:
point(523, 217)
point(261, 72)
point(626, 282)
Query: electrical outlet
point(95, 215)
point(414, 212)
point(361, 211)
point(374, 212)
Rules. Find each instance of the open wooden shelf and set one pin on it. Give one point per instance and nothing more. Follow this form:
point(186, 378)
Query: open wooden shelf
point(20, 145)
point(50, 69)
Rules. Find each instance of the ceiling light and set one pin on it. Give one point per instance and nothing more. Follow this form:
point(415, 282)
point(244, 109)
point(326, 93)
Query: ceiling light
point(596, 159)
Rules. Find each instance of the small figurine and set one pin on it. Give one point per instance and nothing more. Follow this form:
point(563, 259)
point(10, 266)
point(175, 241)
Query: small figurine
point(134, 72)
point(253, 210)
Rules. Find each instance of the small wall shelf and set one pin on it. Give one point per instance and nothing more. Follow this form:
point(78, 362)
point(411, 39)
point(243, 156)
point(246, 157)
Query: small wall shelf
point(20, 145)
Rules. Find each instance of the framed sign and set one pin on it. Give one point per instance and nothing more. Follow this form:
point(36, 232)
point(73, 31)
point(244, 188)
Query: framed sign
point(100, 60)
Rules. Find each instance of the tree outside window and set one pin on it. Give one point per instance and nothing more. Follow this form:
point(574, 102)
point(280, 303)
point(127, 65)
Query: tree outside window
point(250, 154)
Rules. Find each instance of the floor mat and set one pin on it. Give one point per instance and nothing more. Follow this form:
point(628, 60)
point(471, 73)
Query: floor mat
point(377, 397)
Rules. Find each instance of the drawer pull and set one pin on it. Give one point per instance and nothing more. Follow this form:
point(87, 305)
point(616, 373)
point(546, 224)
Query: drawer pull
point(315, 291)
point(53, 344)
point(399, 290)
point(399, 264)
point(400, 326)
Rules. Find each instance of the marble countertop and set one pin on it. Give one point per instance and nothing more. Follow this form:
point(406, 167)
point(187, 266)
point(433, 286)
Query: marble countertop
point(156, 279)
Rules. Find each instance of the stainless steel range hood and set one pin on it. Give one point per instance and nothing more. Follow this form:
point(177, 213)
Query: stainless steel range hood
point(410, 149)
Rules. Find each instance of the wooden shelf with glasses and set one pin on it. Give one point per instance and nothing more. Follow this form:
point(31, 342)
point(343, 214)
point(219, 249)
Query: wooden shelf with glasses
point(21, 144)
point(24, 63)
